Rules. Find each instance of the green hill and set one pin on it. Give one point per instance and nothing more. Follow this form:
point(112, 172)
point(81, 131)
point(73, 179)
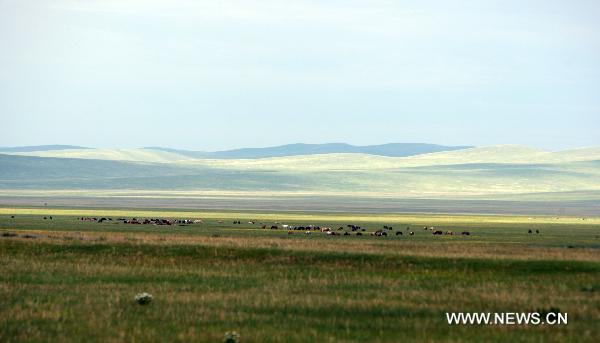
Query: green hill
point(158, 154)
point(390, 150)
point(488, 171)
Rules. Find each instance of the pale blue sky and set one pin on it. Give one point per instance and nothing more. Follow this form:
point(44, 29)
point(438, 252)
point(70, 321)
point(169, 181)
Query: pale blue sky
point(211, 75)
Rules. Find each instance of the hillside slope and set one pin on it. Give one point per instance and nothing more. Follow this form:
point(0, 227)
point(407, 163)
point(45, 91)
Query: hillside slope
point(490, 171)
point(34, 148)
point(390, 150)
point(158, 154)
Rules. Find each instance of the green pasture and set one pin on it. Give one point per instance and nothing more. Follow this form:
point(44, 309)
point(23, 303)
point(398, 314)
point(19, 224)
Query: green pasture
point(64, 279)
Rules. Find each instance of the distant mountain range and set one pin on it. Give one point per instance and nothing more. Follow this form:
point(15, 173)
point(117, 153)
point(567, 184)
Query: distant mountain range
point(40, 148)
point(391, 150)
point(485, 171)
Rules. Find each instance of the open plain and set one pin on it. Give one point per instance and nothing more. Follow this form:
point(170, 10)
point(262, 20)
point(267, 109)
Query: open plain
point(71, 279)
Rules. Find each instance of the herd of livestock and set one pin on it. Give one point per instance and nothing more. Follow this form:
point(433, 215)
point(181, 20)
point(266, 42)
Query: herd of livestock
point(349, 229)
point(355, 229)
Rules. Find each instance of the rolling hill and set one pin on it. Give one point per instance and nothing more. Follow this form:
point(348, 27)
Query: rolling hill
point(487, 171)
point(159, 154)
point(34, 148)
point(390, 150)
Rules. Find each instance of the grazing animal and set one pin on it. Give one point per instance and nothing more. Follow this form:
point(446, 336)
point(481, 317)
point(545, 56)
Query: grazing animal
point(12, 216)
point(449, 233)
point(437, 232)
point(530, 231)
point(353, 227)
point(380, 233)
point(273, 227)
point(537, 232)
point(399, 233)
point(346, 234)
point(466, 233)
point(359, 233)
point(45, 218)
point(412, 233)
point(263, 226)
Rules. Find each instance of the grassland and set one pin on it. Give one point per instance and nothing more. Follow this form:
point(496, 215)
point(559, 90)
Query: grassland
point(74, 280)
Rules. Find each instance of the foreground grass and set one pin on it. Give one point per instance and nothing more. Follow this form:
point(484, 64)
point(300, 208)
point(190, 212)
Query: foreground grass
point(75, 281)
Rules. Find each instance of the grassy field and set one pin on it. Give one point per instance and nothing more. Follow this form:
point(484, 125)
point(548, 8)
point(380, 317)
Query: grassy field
point(71, 280)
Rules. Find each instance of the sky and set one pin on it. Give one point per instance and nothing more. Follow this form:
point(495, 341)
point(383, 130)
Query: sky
point(213, 75)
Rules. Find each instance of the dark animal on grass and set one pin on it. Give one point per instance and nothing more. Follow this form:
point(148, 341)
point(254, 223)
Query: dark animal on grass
point(45, 218)
point(438, 232)
point(273, 227)
point(412, 233)
point(12, 216)
point(380, 233)
point(466, 233)
point(353, 227)
point(537, 232)
point(263, 227)
point(530, 231)
point(346, 234)
point(359, 233)
point(399, 233)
